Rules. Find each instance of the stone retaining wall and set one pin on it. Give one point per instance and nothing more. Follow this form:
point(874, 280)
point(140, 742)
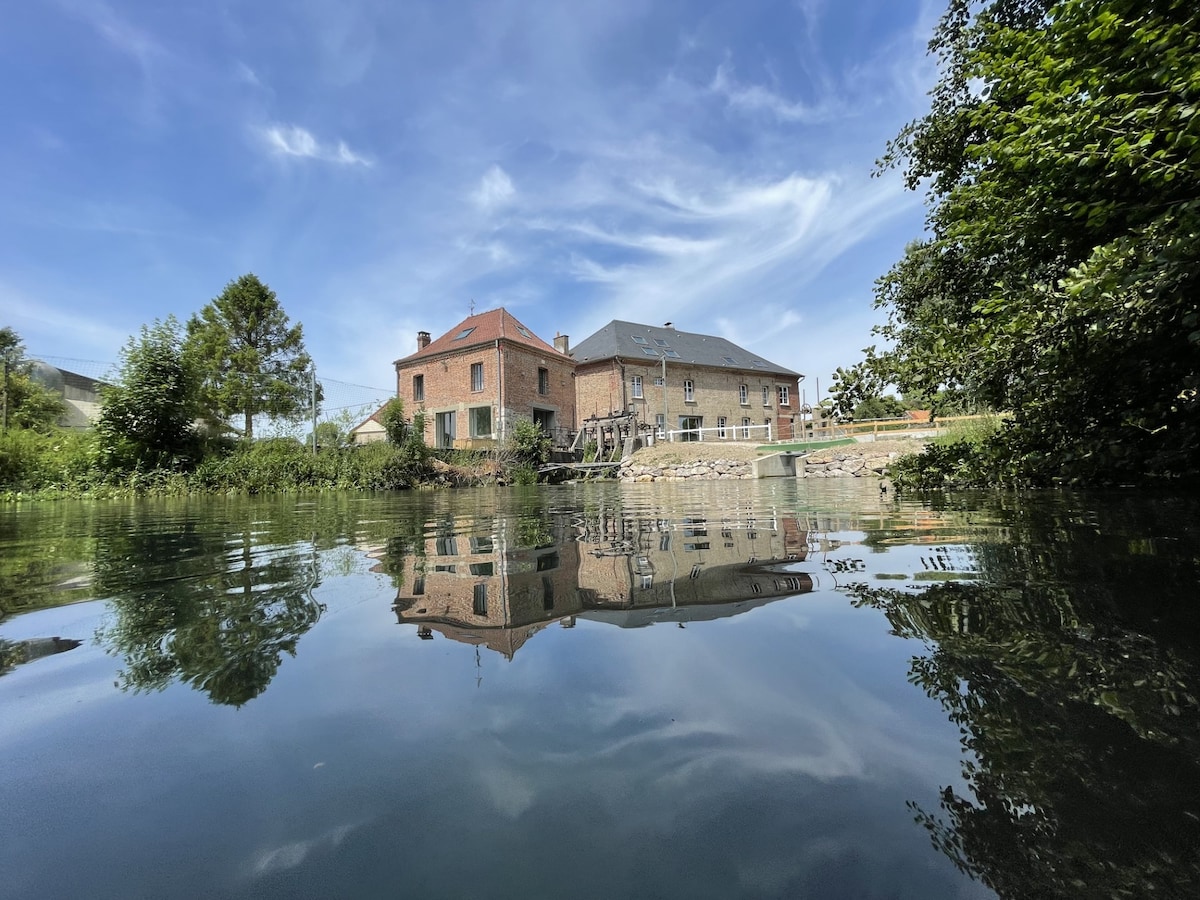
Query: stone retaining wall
point(711, 469)
point(850, 461)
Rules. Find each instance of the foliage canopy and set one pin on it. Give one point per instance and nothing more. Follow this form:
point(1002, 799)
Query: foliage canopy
point(1061, 154)
point(147, 416)
point(25, 403)
point(252, 360)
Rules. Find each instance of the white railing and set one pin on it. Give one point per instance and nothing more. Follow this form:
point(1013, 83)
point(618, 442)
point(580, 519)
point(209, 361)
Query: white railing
point(728, 434)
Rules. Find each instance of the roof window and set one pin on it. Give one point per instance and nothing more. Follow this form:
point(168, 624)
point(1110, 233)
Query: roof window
point(464, 333)
point(650, 351)
point(661, 342)
point(638, 339)
point(674, 354)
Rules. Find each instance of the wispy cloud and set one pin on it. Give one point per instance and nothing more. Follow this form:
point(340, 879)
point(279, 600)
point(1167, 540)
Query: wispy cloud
point(494, 191)
point(689, 163)
point(292, 140)
point(118, 32)
point(757, 98)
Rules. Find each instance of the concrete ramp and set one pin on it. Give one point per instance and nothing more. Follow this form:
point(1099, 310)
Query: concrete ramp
point(776, 465)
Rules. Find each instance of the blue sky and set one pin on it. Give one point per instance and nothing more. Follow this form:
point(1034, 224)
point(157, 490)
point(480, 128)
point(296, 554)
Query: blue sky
point(382, 164)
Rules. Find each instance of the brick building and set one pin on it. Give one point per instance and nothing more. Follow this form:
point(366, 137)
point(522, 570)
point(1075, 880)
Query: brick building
point(486, 589)
point(492, 589)
point(686, 382)
point(475, 380)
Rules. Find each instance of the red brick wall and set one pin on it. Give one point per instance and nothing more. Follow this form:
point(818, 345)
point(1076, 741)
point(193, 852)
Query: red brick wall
point(448, 386)
point(521, 394)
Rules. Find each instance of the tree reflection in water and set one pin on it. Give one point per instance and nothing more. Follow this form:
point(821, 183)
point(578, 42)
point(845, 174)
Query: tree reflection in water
point(185, 607)
point(1073, 679)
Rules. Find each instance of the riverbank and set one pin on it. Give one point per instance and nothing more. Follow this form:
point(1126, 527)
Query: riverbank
point(728, 461)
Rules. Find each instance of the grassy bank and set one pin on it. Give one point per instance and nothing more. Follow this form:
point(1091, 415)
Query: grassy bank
point(39, 466)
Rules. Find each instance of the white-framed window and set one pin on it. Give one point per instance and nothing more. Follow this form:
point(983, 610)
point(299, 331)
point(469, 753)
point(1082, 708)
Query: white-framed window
point(766, 392)
point(784, 396)
point(660, 424)
point(637, 387)
point(689, 391)
point(721, 427)
point(745, 428)
point(477, 376)
point(743, 394)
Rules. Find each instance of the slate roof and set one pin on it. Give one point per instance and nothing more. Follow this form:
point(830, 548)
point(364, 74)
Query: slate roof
point(632, 342)
point(481, 329)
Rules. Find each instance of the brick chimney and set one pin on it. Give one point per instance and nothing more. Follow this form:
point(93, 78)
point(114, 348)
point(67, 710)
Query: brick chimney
point(422, 340)
point(562, 344)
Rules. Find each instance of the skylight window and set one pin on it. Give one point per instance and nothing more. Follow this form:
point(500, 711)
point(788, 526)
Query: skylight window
point(638, 339)
point(524, 331)
point(729, 359)
point(661, 342)
point(759, 364)
point(462, 334)
point(650, 351)
point(674, 354)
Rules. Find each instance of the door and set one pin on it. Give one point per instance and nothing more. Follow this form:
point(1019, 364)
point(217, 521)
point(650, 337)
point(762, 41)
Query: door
point(544, 419)
point(444, 430)
point(690, 426)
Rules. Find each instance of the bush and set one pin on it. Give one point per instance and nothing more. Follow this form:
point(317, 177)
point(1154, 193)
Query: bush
point(58, 460)
point(528, 443)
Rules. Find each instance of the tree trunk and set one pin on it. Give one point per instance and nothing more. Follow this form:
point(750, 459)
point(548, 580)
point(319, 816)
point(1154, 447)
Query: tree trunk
point(248, 434)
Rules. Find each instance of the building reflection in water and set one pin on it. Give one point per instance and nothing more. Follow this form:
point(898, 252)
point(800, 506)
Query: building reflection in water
point(500, 585)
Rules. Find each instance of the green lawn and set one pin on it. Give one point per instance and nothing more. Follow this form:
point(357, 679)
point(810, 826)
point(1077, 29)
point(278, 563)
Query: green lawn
point(803, 446)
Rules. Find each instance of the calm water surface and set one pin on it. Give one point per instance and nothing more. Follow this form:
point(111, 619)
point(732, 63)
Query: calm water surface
point(768, 689)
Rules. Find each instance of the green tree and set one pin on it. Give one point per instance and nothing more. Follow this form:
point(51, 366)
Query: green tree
point(857, 393)
point(1059, 280)
point(252, 360)
point(147, 415)
point(23, 402)
point(395, 426)
point(885, 407)
point(330, 436)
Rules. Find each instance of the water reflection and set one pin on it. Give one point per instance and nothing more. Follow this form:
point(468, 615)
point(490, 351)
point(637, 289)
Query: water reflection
point(1071, 669)
point(216, 609)
point(1059, 633)
point(496, 581)
point(15, 653)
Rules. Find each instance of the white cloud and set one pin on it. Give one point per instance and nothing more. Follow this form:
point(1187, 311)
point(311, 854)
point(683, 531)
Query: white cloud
point(495, 190)
point(756, 98)
point(292, 140)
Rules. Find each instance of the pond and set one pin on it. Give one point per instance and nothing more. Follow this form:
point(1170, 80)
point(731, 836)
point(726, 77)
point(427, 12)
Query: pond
point(705, 690)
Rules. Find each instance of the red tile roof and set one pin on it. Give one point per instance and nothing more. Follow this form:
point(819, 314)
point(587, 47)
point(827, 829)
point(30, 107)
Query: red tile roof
point(485, 328)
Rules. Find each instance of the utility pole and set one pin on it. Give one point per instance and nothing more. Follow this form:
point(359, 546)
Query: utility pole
point(4, 405)
point(312, 387)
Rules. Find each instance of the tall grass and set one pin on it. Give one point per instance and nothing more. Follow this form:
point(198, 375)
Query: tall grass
point(34, 465)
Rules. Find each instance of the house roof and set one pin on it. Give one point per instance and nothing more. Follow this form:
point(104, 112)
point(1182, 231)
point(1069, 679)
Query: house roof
point(376, 417)
point(649, 343)
point(483, 328)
